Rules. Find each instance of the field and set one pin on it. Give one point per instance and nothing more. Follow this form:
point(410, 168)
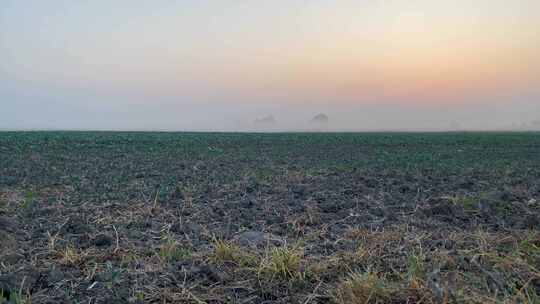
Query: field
point(103, 217)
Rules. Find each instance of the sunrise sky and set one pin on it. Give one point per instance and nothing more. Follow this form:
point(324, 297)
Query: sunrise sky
point(219, 65)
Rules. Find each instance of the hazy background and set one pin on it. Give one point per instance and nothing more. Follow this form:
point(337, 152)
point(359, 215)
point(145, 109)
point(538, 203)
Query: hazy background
point(220, 65)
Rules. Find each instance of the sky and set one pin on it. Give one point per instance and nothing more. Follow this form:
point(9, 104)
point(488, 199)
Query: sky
point(219, 65)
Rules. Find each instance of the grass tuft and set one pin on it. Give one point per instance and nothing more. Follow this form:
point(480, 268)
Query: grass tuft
point(361, 288)
point(27, 205)
point(415, 268)
point(171, 251)
point(70, 256)
point(224, 251)
point(285, 262)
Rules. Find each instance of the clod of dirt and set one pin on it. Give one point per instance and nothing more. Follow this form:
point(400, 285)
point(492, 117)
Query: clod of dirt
point(518, 208)
point(8, 282)
point(252, 188)
point(377, 211)
point(466, 184)
point(331, 207)
point(371, 183)
point(11, 258)
point(208, 272)
point(440, 209)
point(54, 275)
point(12, 281)
point(504, 195)
point(102, 240)
point(76, 226)
point(299, 190)
point(485, 207)
point(189, 228)
point(7, 241)
point(198, 272)
point(8, 180)
point(435, 284)
point(7, 224)
point(45, 212)
point(405, 189)
point(247, 203)
point(530, 221)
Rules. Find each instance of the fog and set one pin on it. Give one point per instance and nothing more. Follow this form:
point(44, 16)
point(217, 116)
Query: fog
point(229, 66)
point(25, 109)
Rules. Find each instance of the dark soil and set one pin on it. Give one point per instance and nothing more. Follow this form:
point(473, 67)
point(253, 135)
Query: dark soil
point(98, 217)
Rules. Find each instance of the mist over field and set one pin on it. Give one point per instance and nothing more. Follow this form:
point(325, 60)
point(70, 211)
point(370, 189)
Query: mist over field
point(206, 65)
point(51, 113)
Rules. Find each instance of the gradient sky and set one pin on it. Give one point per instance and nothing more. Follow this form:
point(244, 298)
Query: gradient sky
point(218, 65)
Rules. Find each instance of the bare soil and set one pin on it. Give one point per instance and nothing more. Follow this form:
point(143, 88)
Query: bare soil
point(99, 217)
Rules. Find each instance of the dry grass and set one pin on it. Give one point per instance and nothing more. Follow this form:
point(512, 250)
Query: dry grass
point(370, 244)
point(284, 262)
point(224, 251)
point(362, 288)
point(171, 251)
point(70, 256)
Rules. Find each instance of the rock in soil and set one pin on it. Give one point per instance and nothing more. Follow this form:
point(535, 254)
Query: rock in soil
point(103, 240)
